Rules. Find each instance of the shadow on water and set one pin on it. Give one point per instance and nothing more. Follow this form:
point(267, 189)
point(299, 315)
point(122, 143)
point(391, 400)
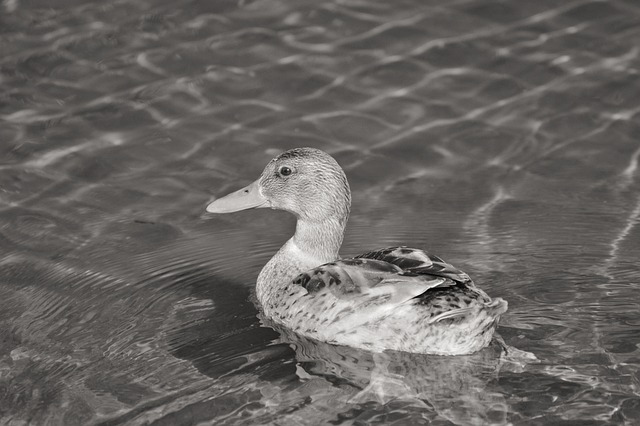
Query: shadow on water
point(231, 340)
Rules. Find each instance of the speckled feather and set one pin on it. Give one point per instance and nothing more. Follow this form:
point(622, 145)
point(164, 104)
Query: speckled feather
point(398, 297)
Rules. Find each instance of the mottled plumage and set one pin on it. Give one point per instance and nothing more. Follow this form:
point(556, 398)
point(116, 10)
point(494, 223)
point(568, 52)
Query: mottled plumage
point(395, 298)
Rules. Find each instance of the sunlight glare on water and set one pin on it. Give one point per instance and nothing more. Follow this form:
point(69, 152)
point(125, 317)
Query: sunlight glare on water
point(500, 135)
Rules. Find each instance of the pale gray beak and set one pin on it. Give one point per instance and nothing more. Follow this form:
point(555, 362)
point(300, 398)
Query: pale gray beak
point(248, 197)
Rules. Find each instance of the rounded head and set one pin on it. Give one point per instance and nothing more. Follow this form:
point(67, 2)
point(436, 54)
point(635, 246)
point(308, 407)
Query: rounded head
point(307, 182)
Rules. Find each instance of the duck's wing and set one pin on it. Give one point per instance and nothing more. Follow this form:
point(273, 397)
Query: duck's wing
point(419, 262)
point(365, 281)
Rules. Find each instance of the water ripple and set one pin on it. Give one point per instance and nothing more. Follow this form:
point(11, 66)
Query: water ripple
point(498, 135)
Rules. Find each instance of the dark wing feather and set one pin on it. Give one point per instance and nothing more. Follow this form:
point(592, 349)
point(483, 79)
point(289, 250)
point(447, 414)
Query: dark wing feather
point(419, 262)
point(452, 297)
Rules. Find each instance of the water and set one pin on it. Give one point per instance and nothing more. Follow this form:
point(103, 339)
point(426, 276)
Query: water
point(500, 135)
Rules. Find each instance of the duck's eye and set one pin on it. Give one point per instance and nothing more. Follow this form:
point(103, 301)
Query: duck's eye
point(285, 171)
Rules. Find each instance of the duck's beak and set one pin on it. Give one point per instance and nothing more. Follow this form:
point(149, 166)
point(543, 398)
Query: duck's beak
point(248, 197)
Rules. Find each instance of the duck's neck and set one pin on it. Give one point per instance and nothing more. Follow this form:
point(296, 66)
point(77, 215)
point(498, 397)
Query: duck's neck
point(313, 244)
point(319, 240)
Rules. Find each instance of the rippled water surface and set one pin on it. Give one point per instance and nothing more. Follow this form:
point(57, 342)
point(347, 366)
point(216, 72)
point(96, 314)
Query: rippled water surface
point(503, 136)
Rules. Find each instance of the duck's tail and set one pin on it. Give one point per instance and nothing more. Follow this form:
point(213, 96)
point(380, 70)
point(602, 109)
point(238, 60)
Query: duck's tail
point(465, 330)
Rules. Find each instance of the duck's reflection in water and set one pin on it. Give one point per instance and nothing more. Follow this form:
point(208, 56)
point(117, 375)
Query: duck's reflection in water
point(456, 388)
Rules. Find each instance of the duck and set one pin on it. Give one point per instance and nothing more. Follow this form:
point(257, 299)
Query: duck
point(389, 299)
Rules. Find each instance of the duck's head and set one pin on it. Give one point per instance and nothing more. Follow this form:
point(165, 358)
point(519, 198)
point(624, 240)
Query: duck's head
point(307, 182)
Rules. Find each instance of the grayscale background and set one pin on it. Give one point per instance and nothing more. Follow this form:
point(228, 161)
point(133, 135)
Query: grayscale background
point(503, 136)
